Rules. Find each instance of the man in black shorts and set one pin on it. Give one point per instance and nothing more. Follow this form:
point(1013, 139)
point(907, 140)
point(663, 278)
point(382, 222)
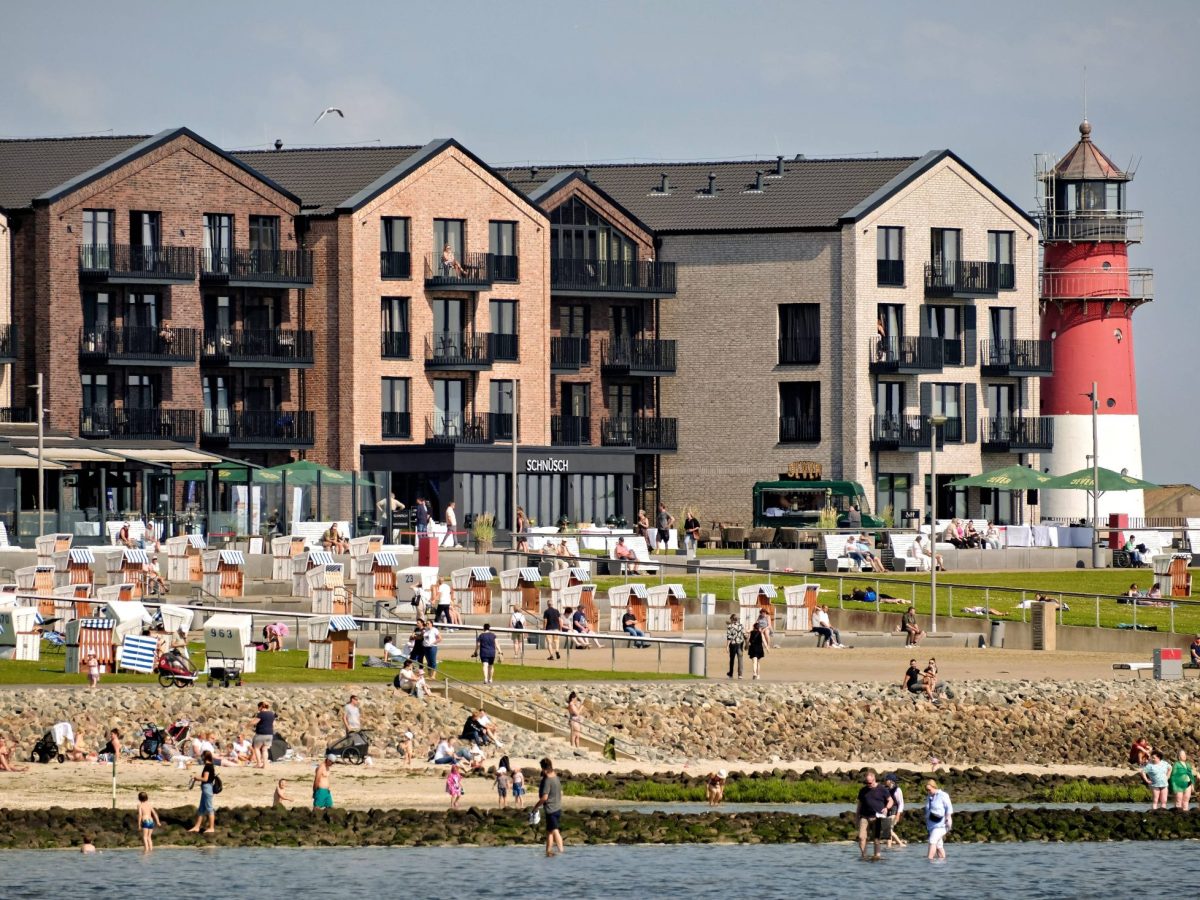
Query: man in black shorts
point(550, 796)
point(874, 802)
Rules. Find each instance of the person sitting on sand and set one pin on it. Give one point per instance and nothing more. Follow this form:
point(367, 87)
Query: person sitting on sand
point(240, 751)
point(6, 764)
point(715, 789)
point(1139, 753)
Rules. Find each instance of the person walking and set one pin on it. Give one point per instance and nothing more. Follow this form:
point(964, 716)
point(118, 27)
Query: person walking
point(444, 600)
point(485, 649)
point(666, 522)
point(892, 781)
point(322, 795)
point(575, 717)
point(757, 648)
point(550, 798)
point(431, 638)
point(421, 516)
point(517, 623)
point(264, 734)
point(147, 820)
point(552, 622)
point(207, 807)
point(352, 715)
point(735, 639)
point(691, 531)
point(939, 814)
point(454, 785)
point(873, 809)
point(1182, 781)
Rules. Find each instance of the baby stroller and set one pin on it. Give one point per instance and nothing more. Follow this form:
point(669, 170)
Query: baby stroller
point(175, 669)
point(46, 749)
point(156, 737)
point(352, 748)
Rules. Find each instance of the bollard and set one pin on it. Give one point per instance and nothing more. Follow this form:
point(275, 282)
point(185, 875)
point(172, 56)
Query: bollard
point(696, 660)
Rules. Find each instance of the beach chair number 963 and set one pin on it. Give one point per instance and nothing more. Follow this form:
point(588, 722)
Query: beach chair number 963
point(220, 633)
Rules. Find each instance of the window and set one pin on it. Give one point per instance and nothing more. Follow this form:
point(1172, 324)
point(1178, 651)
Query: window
point(799, 334)
point(448, 410)
point(145, 239)
point(944, 401)
point(890, 256)
point(395, 339)
point(1002, 322)
point(1000, 254)
point(393, 405)
point(945, 322)
point(504, 329)
point(218, 316)
point(585, 249)
point(892, 490)
point(951, 501)
point(945, 256)
point(395, 259)
point(263, 392)
point(141, 311)
point(97, 238)
point(96, 320)
point(261, 313)
point(95, 391)
point(502, 245)
point(889, 409)
point(573, 321)
point(264, 234)
point(1001, 401)
point(142, 391)
point(452, 232)
point(799, 412)
point(626, 321)
point(217, 417)
point(218, 243)
point(500, 407)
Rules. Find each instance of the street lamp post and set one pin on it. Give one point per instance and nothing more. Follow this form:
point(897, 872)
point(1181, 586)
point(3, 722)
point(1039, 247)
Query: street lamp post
point(516, 393)
point(1097, 552)
point(934, 422)
point(41, 450)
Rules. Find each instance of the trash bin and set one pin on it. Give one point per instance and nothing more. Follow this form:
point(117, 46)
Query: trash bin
point(997, 636)
point(696, 659)
point(1168, 664)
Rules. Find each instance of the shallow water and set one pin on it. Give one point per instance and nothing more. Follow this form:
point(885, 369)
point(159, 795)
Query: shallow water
point(836, 809)
point(693, 871)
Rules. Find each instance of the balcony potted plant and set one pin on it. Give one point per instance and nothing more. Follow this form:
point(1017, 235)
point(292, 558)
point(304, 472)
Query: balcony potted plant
point(483, 530)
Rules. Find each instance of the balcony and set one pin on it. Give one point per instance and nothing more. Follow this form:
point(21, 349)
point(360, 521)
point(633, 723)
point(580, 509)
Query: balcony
point(1101, 225)
point(394, 264)
point(8, 344)
point(911, 432)
point(395, 345)
point(145, 346)
point(17, 415)
point(458, 351)
point(504, 268)
point(1017, 435)
point(1129, 285)
point(889, 272)
point(396, 424)
point(799, 430)
point(571, 431)
point(962, 278)
point(505, 347)
point(258, 348)
point(637, 356)
point(799, 351)
point(641, 432)
point(569, 354)
point(139, 424)
point(268, 429)
point(1016, 358)
point(457, 428)
point(907, 355)
point(586, 277)
point(500, 426)
point(257, 268)
point(473, 272)
point(137, 265)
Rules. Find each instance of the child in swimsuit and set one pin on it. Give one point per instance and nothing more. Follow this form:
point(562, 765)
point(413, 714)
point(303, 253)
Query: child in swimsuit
point(148, 819)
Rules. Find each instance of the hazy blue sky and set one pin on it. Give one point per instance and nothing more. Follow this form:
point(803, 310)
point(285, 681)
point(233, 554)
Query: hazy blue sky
point(538, 81)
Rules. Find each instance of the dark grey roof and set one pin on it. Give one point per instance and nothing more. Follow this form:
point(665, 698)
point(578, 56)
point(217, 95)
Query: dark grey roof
point(812, 193)
point(324, 177)
point(31, 167)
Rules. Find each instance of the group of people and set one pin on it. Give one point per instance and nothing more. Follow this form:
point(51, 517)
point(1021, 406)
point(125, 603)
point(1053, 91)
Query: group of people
point(880, 808)
point(755, 644)
point(861, 552)
point(925, 681)
point(964, 535)
point(1177, 777)
point(658, 535)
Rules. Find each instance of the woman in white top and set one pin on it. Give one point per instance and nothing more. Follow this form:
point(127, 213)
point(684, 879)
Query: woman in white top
point(451, 526)
point(938, 815)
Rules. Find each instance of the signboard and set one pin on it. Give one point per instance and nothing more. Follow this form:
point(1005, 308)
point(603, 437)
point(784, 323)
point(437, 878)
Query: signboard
point(543, 465)
point(804, 469)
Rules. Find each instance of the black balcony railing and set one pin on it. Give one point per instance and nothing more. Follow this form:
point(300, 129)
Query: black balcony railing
point(642, 432)
point(805, 351)
point(471, 272)
point(500, 426)
point(504, 347)
point(397, 424)
point(259, 348)
point(1016, 357)
point(134, 263)
point(799, 429)
point(141, 424)
point(1006, 276)
point(8, 343)
point(164, 346)
point(394, 264)
point(258, 428)
point(1019, 434)
point(960, 278)
point(907, 355)
point(1118, 225)
point(608, 276)
point(13, 415)
point(457, 428)
point(911, 432)
point(458, 350)
point(280, 267)
point(570, 353)
point(571, 431)
point(395, 345)
point(638, 356)
point(504, 268)
point(889, 272)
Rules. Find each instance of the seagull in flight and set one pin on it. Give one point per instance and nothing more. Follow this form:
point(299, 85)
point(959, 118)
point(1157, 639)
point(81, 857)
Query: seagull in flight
point(329, 111)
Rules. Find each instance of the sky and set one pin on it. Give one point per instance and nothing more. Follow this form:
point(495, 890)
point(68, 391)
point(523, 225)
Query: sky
point(641, 81)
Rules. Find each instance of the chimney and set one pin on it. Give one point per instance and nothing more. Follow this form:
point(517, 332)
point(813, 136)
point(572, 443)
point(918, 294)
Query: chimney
point(799, 156)
point(533, 170)
point(779, 166)
point(665, 186)
point(278, 144)
point(758, 173)
point(712, 184)
point(585, 171)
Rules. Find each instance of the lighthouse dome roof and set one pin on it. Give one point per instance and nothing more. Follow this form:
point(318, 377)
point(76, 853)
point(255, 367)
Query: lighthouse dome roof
point(1086, 162)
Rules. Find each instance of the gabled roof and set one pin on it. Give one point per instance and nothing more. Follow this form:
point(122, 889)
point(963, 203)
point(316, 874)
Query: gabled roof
point(920, 167)
point(141, 149)
point(325, 176)
point(565, 178)
point(811, 193)
point(1085, 161)
point(31, 167)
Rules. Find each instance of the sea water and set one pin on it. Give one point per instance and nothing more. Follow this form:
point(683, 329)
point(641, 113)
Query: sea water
point(1007, 871)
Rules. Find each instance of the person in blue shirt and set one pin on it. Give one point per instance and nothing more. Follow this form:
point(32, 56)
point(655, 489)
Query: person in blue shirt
point(939, 813)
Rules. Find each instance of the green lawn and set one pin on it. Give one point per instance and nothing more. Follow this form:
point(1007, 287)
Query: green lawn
point(290, 667)
point(998, 590)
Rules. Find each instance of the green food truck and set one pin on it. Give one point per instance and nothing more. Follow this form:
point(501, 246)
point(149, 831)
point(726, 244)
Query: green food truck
point(797, 503)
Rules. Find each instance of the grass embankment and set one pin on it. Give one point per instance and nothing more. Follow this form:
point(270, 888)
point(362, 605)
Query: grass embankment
point(291, 667)
point(1001, 591)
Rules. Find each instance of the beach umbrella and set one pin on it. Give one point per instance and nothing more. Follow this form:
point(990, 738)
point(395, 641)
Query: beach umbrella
point(1010, 478)
point(304, 472)
point(1109, 481)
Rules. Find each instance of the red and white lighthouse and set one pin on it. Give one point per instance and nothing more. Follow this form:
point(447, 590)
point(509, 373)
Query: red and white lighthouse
point(1088, 297)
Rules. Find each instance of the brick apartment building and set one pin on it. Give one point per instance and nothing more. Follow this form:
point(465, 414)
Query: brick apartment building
point(677, 331)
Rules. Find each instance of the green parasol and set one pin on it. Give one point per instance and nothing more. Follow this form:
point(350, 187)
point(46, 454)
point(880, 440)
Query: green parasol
point(1109, 481)
point(1010, 478)
point(304, 472)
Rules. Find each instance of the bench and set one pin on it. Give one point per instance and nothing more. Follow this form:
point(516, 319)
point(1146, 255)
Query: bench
point(897, 638)
point(1138, 667)
point(836, 559)
point(137, 531)
point(903, 557)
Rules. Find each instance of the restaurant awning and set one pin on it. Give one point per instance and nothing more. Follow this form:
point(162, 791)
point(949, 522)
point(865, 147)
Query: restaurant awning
point(25, 461)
